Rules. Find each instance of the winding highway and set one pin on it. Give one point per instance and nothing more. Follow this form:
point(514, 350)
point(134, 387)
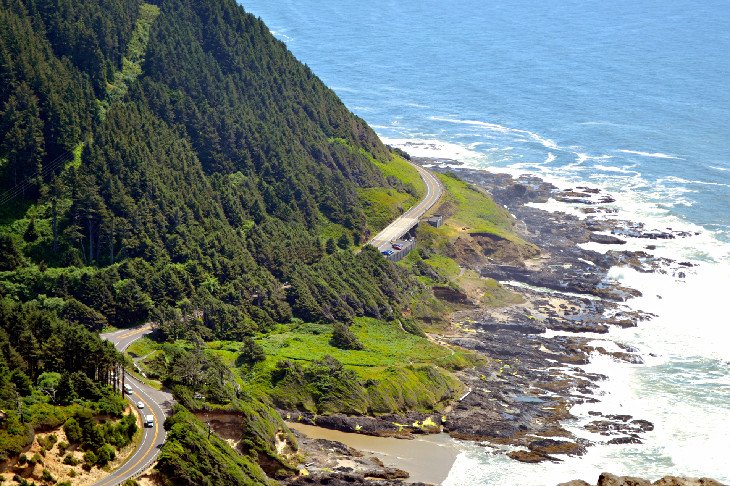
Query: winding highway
point(159, 403)
point(156, 403)
point(409, 219)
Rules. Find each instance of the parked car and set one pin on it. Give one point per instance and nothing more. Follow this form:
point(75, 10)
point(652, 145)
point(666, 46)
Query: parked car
point(387, 252)
point(140, 405)
point(398, 247)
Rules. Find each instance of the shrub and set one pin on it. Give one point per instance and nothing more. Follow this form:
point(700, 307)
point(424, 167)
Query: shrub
point(70, 460)
point(344, 338)
point(105, 455)
point(90, 458)
point(251, 352)
point(62, 447)
point(73, 431)
point(47, 476)
point(36, 459)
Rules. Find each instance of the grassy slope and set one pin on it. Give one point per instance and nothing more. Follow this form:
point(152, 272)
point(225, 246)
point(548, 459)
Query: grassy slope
point(383, 205)
point(467, 211)
point(402, 371)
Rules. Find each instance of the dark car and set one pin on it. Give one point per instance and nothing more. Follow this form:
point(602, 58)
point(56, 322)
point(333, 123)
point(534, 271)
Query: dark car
point(397, 247)
point(387, 252)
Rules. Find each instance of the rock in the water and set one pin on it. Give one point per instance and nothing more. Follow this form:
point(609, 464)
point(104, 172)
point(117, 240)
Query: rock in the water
point(608, 479)
point(528, 456)
point(681, 481)
point(606, 239)
point(552, 446)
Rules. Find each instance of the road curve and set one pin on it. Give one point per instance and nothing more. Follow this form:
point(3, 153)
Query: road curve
point(407, 220)
point(159, 403)
point(156, 403)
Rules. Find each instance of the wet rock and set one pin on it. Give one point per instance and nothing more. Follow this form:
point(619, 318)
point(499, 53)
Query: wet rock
point(682, 481)
point(629, 439)
point(530, 456)
point(607, 479)
point(551, 446)
point(606, 239)
point(619, 425)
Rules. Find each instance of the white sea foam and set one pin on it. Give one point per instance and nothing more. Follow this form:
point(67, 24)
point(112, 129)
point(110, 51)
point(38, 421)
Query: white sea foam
point(721, 169)
point(550, 158)
point(583, 157)
point(690, 422)
point(281, 36)
point(619, 169)
point(417, 105)
point(655, 155)
point(669, 390)
point(436, 149)
point(494, 127)
point(686, 181)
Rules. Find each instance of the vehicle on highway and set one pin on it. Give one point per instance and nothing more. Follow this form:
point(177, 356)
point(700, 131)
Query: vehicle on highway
point(127, 389)
point(140, 405)
point(149, 421)
point(398, 247)
point(387, 252)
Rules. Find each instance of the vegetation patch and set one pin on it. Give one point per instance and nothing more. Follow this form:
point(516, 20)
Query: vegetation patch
point(191, 455)
point(132, 62)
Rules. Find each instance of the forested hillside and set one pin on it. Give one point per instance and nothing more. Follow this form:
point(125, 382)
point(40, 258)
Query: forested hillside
point(212, 183)
point(171, 161)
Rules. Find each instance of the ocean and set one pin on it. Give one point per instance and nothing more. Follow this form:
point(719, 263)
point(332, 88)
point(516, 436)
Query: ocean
point(629, 96)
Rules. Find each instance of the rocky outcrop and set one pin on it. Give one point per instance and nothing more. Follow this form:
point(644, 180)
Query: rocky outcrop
point(530, 382)
point(608, 479)
point(333, 463)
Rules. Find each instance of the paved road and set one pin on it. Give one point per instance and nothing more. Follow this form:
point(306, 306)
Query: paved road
point(156, 403)
point(407, 220)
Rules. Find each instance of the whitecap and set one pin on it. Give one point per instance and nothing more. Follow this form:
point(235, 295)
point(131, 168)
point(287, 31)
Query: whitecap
point(618, 169)
point(681, 180)
point(583, 157)
point(495, 127)
point(655, 155)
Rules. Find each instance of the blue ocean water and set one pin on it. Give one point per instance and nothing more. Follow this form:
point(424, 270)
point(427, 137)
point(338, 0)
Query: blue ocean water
point(632, 96)
point(642, 87)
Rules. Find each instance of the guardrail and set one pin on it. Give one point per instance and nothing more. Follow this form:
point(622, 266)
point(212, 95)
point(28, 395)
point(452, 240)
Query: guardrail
point(408, 246)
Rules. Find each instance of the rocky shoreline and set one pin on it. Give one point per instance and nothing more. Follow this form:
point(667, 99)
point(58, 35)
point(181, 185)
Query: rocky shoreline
point(607, 479)
point(518, 401)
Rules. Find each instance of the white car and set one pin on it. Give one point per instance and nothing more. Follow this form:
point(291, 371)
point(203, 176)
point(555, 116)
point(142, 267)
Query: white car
point(140, 405)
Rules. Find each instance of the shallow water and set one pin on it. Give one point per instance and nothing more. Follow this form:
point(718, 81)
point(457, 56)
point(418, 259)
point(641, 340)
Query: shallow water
point(426, 458)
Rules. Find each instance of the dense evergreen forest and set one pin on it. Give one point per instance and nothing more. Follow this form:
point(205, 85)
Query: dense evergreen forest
point(171, 161)
point(176, 160)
